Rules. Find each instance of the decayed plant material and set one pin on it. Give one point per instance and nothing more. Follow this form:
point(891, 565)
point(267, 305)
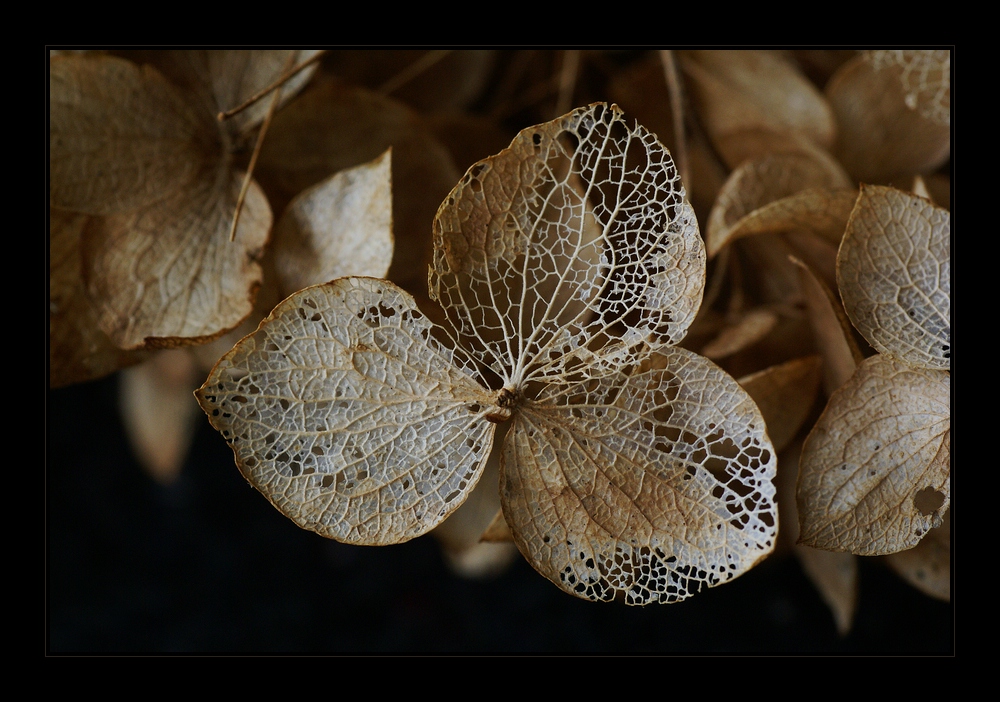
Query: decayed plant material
point(892, 273)
point(137, 153)
point(893, 110)
point(564, 265)
point(875, 470)
point(777, 162)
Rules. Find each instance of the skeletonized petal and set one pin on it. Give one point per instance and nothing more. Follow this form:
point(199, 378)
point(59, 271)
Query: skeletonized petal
point(349, 417)
point(580, 225)
point(894, 274)
point(651, 487)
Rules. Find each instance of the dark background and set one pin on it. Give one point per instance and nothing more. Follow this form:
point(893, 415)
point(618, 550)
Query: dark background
point(208, 566)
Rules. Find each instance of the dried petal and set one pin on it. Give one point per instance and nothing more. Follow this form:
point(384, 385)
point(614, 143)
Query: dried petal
point(874, 473)
point(892, 110)
point(784, 394)
point(763, 181)
point(738, 90)
point(927, 566)
point(340, 226)
point(332, 127)
point(350, 418)
point(78, 349)
point(650, 488)
point(822, 211)
point(519, 272)
point(167, 274)
point(831, 328)
point(833, 574)
point(150, 156)
point(120, 136)
point(894, 273)
point(563, 263)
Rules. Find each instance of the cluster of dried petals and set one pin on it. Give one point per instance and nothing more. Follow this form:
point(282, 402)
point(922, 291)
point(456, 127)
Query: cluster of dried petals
point(564, 265)
point(138, 150)
point(875, 471)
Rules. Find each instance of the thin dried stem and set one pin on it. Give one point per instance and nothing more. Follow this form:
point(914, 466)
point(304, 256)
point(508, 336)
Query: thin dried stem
point(281, 80)
point(412, 71)
point(676, 91)
point(276, 98)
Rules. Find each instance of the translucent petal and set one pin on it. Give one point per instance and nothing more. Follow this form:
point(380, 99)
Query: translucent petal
point(580, 225)
point(651, 487)
point(894, 274)
point(349, 417)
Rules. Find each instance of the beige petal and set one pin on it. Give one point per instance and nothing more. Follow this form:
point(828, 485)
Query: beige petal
point(894, 274)
point(151, 157)
point(520, 273)
point(348, 416)
point(820, 211)
point(833, 574)
point(892, 108)
point(121, 136)
point(785, 394)
point(78, 350)
point(648, 489)
point(766, 180)
point(738, 90)
point(874, 473)
point(338, 227)
point(167, 274)
point(831, 328)
point(332, 127)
